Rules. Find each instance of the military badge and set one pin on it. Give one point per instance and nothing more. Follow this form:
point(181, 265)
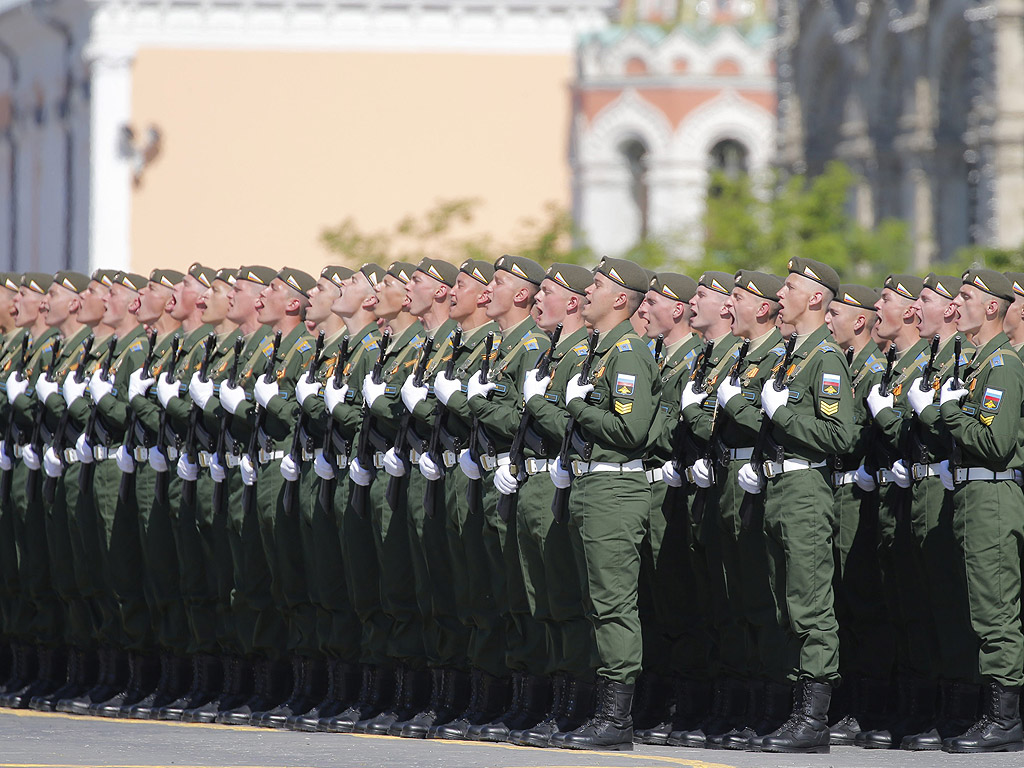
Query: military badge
point(625, 384)
point(830, 383)
point(992, 399)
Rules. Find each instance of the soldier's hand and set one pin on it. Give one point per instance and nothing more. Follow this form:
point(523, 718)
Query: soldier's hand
point(504, 481)
point(727, 391)
point(372, 390)
point(865, 480)
point(157, 460)
point(100, 387)
point(560, 476)
point(265, 390)
point(690, 397)
point(772, 399)
point(334, 396)
point(74, 389)
point(575, 390)
point(124, 459)
point(31, 458)
point(83, 449)
point(919, 400)
point(187, 471)
point(670, 476)
point(290, 469)
point(167, 389)
point(444, 387)
point(16, 385)
point(248, 470)
point(5, 461)
point(702, 473)
point(359, 475)
point(952, 391)
point(46, 387)
point(877, 402)
point(946, 476)
point(305, 388)
point(429, 469)
point(323, 467)
point(412, 395)
point(217, 471)
point(749, 480)
point(393, 463)
point(469, 467)
point(200, 391)
point(477, 387)
point(231, 397)
point(138, 386)
point(901, 474)
point(534, 386)
point(52, 465)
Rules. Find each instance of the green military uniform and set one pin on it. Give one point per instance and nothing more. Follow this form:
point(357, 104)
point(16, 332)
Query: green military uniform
point(8, 553)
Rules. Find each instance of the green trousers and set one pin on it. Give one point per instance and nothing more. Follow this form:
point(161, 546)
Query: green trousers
point(62, 572)
point(83, 612)
point(130, 575)
point(159, 524)
point(798, 523)
point(607, 539)
point(96, 510)
point(197, 567)
point(41, 617)
point(224, 566)
point(250, 592)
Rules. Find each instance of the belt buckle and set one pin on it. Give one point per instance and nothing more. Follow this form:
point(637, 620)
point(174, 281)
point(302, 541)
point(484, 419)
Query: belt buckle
point(882, 477)
point(960, 475)
point(449, 458)
point(341, 461)
point(837, 479)
point(530, 465)
point(488, 462)
point(918, 471)
point(579, 468)
point(769, 469)
point(308, 455)
point(70, 455)
point(688, 474)
point(204, 459)
point(414, 456)
point(378, 460)
point(141, 453)
point(99, 452)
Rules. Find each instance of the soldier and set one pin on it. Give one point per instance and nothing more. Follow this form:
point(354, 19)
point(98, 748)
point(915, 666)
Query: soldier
point(810, 419)
point(1013, 325)
point(9, 284)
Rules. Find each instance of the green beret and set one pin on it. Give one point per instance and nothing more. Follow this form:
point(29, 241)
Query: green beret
point(1017, 280)
point(991, 282)
point(820, 273)
point(297, 279)
point(167, 277)
point(205, 275)
point(227, 275)
point(721, 282)
point(625, 273)
point(441, 271)
point(675, 286)
point(258, 275)
point(36, 281)
point(374, 273)
point(337, 274)
point(479, 270)
point(907, 286)
point(11, 280)
point(402, 270)
point(572, 277)
point(520, 266)
point(944, 285)
point(73, 281)
point(651, 274)
point(855, 295)
point(761, 284)
point(129, 280)
point(104, 276)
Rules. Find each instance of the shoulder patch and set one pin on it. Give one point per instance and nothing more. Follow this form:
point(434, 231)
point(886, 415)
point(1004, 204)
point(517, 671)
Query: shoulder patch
point(624, 346)
point(532, 344)
point(877, 368)
point(622, 408)
point(136, 346)
point(997, 360)
point(581, 349)
point(625, 383)
point(992, 400)
point(302, 345)
point(779, 351)
point(830, 383)
point(418, 341)
point(829, 409)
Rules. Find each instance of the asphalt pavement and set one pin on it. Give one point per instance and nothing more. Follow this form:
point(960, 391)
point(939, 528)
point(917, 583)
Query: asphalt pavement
point(40, 740)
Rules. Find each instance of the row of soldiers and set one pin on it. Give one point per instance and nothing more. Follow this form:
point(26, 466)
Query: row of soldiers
point(570, 508)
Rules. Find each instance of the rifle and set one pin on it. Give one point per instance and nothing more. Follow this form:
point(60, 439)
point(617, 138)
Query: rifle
point(474, 498)
point(698, 381)
point(328, 445)
point(225, 424)
point(851, 352)
point(133, 420)
point(290, 486)
point(36, 441)
point(394, 489)
point(88, 470)
point(560, 502)
point(163, 479)
point(716, 422)
point(19, 374)
point(60, 440)
point(260, 418)
point(360, 493)
point(515, 453)
point(188, 487)
point(659, 345)
point(955, 454)
point(925, 382)
point(440, 420)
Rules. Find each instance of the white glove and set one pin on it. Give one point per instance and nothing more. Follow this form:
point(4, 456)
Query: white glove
point(748, 479)
point(504, 481)
point(323, 467)
point(16, 385)
point(477, 387)
point(5, 461)
point(773, 399)
point(576, 391)
point(534, 386)
point(469, 467)
point(413, 395)
point(73, 389)
point(671, 477)
point(217, 471)
point(290, 469)
point(949, 393)
point(429, 469)
point(265, 390)
point(99, 387)
point(167, 389)
point(51, 463)
point(865, 480)
point(137, 386)
point(372, 391)
point(946, 475)
point(231, 397)
point(877, 402)
point(393, 463)
point(333, 396)
point(125, 461)
point(901, 473)
point(158, 461)
point(200, 391)
point(444, 387)
point(359, 475)
point(46, 387)
point(31, 458)
point(186, 469)
point(690, 397)
point(919, 400)
point(248, 470)
point(559, 476)
point(727, 391)
point(305, 388)
point(84, 450)
point(702, 473)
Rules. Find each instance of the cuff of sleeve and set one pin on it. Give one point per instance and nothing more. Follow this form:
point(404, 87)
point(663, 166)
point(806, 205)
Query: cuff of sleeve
point(886, 418)
point(948, 411)
point(106, 402)
point(692, 412)
point(733, 405)
point(782, 416)
point(575, 407)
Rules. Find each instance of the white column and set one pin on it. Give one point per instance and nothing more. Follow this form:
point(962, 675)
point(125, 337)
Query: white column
point(110, 201)
point(677, 193)
point(1008, 131)
point(608, 219)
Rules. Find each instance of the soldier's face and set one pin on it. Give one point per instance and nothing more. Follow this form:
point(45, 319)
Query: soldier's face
point(186, 293)
point(215, 302)
point(321, 299)
point(1014, 320)
point(116, 304)
point(242, 300)
point(661, 313)
point(708, 308)
point(421, 291)
point(93, 303)
point(742, 307)
point(273, 302)
point(795, 297)
point(894, 312)
point(7, 302)
point(601, 297)
point(391, 297)
point(355, 291)
point(26, 305)
point(551, 305)
point(933, 311)
point(465, 297)
point(57, 304)
point(153, 299)
point(501, 293)
point(841, 320)
point(971, 305)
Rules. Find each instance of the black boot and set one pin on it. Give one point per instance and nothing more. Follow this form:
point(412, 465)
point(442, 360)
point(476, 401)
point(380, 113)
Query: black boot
point(726, 700)
point(489, 702)
point(169, 688)
point(846, 724)
point(109, 679)
point(342, 690)
point(46, 702)
point(49, 660)
point(611, 727)
point(777, 701)
point(659, 724)
point(526, 709)
point(473, 734)
point(232, 691)
point(201, 690)
point(390, 704)
point(375, 684)
point(419, 724)
point(542, 730)
point(961, 708)
point(746, 727)
point(907, 718)
point(580, 707)
point(23, 674)
point(141, 681)
point(806, 731)
point(88, 677)
point(307, 690)
point(998, 730)
point(258, 702)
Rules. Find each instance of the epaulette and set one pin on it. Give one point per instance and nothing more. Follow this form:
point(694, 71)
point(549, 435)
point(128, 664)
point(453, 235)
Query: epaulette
point(826, 347)
point(418, 341)
point(136, 346)
point(268, 348)
point(531, 343)
point(581, 349)
point(778, 351)
point(877, 367)
point(302, 345)
point(372, 344)
point(624, 346)
point(997, 360)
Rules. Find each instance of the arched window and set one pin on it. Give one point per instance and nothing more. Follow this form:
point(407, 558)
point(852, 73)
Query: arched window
point(730, 157)
point(635, 155)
